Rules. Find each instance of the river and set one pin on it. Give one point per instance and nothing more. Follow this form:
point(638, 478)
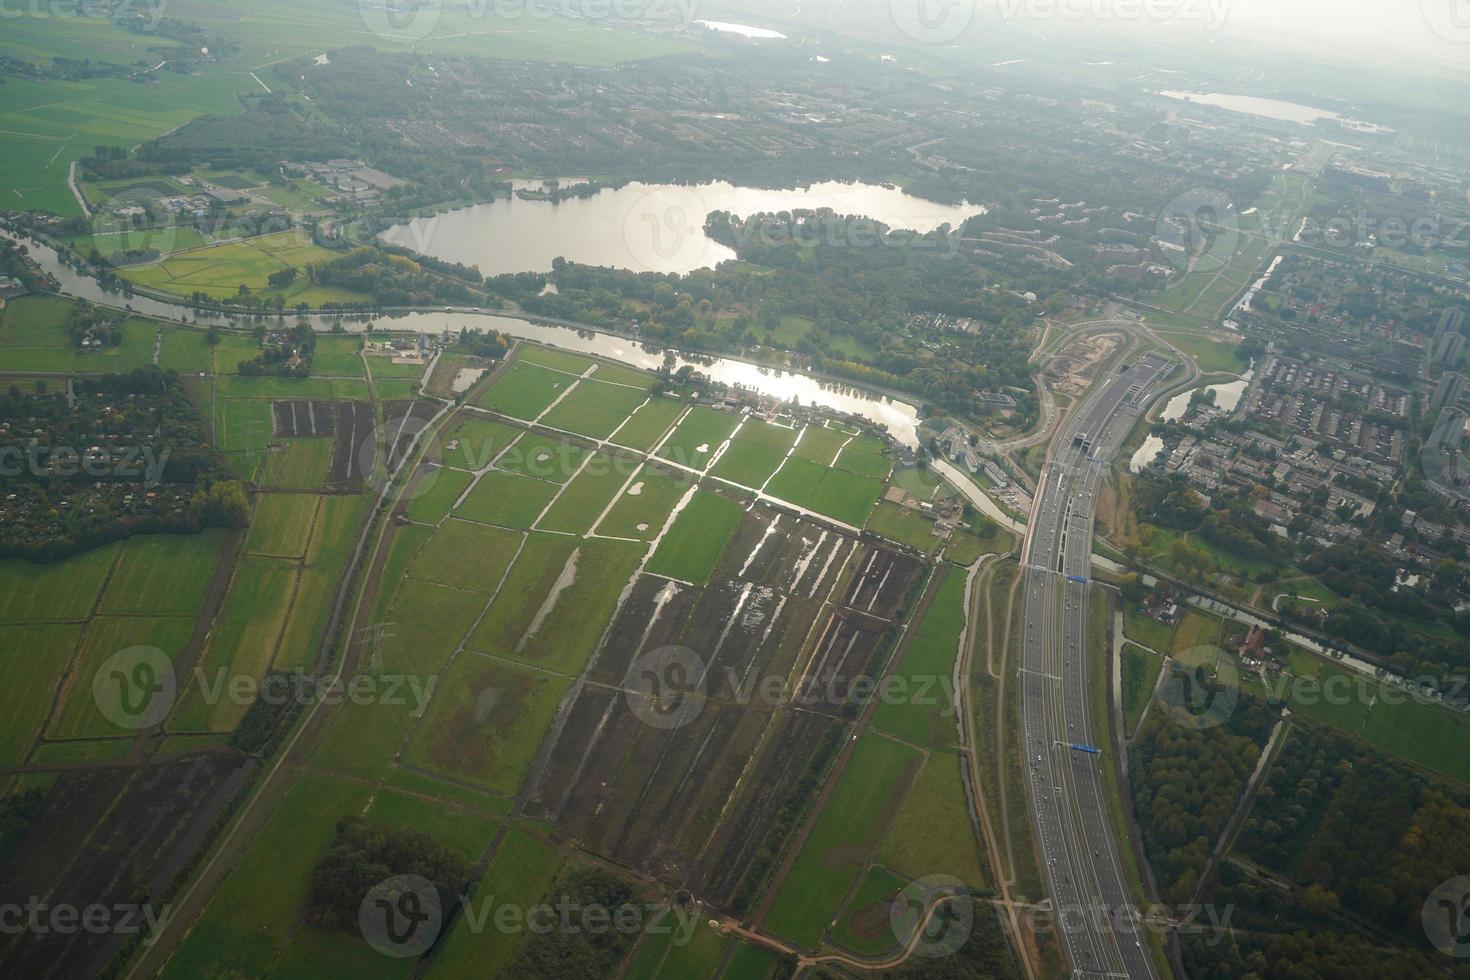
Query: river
point(647, 227)
point(900, 417)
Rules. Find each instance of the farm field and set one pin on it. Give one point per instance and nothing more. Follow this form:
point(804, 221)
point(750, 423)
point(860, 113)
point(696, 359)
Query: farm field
point(909, 527)
point(647, 425)
point(162, 574)
point(926, 716)
point(486, 722)
point(525, 390)
point(755, 452)
point(587, 494)
point(542, 457)
point(507, 499)
point(593, 409)
point(837, 494)
point(464, 555)
point(33, 338)
point(820, 444)
point(693, 545)
point(299, 464)
point(697, 437)
point(220, 270)
point(471, 442)
point(932, 833)
point(644, 505)
point(867, 795)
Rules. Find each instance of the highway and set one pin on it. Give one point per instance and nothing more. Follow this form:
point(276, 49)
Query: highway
point(1096, 916)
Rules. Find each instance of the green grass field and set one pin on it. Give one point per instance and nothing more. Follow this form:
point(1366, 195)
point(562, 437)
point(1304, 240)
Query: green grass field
point(924, 715)
point(79, 715)
point(819, 444)
point(33, 338)
point(647, 426)
point(1140, 672)
point(486, 722)
point(62, 591)
point(185, 351)
point(542, 457)
point(464, 555)
point(838, 494)
point(472, 442)
point(507, 499)
point(522, 870)
point(692, 548)
point(260, 902)
point(337, 357)
point(299, 464)
point(905, 526)
point(866, 456)
point(932, 833)
point(754, 454)
point(557, 600)
point(242, 644)
point(595, 410)
point(867, 795)
point(866, 925)
point(34, 659)
point(554, 358)
point(1431, 735)
point(281, 524)
point(525, 390)
point(698, 436)
point(163, 574)
point(436, 492)
point(644, 506)
point(588, 494)
point(220, 270)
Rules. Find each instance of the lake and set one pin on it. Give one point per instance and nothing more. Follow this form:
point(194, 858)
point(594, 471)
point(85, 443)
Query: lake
point(1275, 109)
point(744, 30)
point(645, 227)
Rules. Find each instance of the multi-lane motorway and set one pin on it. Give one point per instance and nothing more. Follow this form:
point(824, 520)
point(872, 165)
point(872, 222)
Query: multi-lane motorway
point(1092, 905)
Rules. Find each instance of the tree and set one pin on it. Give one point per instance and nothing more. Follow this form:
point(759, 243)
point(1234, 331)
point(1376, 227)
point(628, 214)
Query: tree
point(223, 504)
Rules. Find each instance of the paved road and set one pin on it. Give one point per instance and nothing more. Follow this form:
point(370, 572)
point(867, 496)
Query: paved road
point(1098, 921)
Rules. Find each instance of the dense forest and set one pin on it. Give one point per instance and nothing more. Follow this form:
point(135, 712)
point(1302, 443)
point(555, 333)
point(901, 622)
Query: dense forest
point(1354, 843)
